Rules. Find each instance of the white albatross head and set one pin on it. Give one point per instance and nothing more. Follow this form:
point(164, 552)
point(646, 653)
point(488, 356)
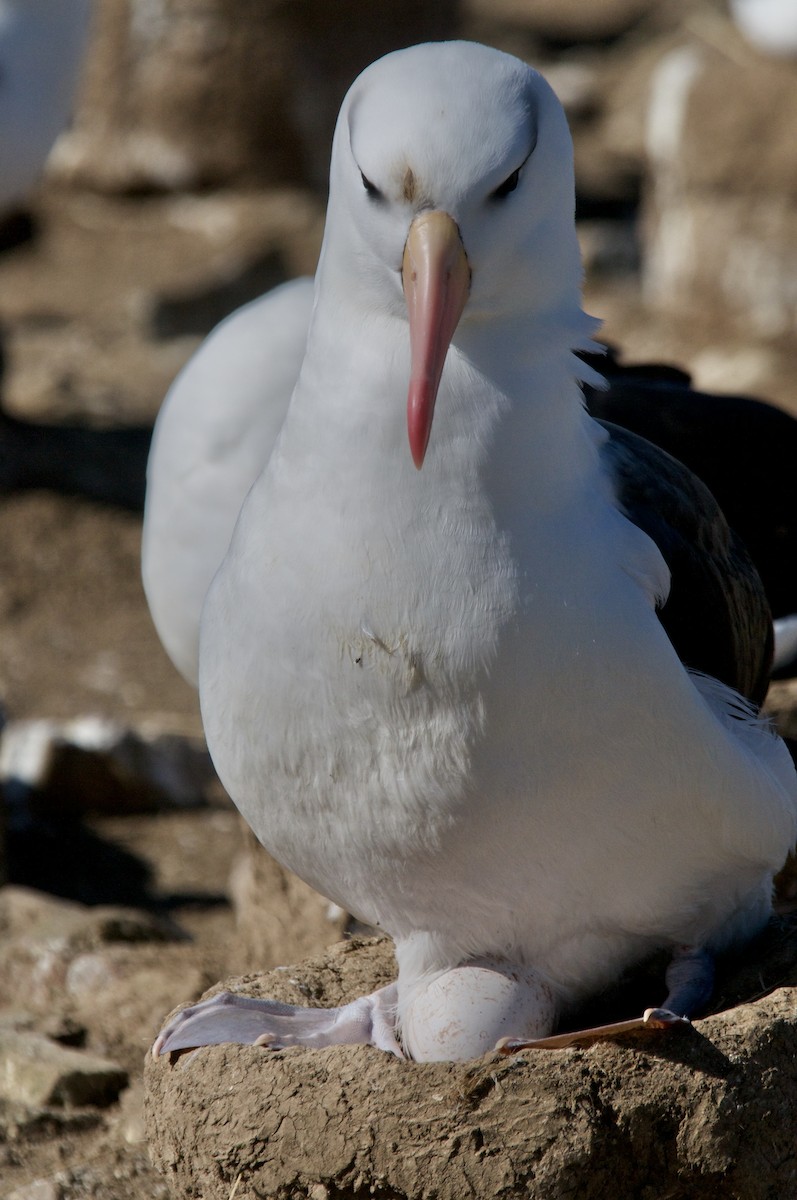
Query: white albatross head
point(451, 193)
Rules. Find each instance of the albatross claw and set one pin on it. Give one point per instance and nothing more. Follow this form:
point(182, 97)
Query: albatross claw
point(227, 1017)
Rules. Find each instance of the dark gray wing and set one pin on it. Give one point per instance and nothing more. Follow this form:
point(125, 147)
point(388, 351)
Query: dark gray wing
point(717, 615)
point(744, 450)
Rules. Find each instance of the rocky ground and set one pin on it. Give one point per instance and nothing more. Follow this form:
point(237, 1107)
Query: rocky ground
point(131, 886)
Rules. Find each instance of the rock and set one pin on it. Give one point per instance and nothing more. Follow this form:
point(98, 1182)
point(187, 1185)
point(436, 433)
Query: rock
point(781, 704)
point(772, 28)
point(706, 1116)
point(95, 764)
point(166, 268)
point(20, 1123)
point(279, 918)
point(129, 1118)
point(39, 1073)
point(112, 1002)
point(608, 248)
point(201, 92)
point(87, 975)
point(3, 800)
point(110, 1178)
point(561, 20)
point(720, 226)
point(38, 1189)
point(3, 827)
point(275, 236)
point(34, 916)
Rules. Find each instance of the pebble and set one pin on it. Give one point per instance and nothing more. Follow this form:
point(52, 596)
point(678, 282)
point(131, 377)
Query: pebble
point(38, 1189)
point(92, 763)
point(40, 1073)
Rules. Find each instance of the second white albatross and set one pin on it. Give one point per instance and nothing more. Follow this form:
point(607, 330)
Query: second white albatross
point(450, 698)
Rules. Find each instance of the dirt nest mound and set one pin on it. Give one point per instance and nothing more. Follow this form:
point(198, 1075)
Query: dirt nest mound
point(707, 1114)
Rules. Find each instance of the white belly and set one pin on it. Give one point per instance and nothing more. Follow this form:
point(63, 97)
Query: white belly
point(500, 751)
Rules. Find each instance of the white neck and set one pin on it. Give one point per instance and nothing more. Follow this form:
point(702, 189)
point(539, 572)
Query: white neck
point(506, 412)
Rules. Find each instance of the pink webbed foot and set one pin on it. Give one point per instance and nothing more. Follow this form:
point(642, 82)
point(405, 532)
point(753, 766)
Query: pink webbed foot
point(227, 1017)
point(690, 981)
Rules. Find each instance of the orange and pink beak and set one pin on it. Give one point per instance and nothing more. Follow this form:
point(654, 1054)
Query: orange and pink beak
point(436, 276)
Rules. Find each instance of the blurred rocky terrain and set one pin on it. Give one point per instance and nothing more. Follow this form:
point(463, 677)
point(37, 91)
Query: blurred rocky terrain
point(192, 180)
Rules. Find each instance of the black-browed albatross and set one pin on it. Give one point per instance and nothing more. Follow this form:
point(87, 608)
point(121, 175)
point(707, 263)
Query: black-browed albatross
point(436, 682)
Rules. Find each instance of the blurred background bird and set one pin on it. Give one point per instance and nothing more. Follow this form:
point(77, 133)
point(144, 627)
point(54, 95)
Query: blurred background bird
point(42, 44)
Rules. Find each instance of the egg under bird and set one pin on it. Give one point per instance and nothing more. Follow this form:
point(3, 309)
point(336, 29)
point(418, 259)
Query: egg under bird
point(439, 679)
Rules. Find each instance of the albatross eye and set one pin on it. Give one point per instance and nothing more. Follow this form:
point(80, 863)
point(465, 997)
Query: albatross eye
point(509, 185)
point(371, 188)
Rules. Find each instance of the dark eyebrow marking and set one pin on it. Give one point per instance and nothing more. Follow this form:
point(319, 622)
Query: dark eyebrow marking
point(511, 181)
point(371, 188)
point(408, 185)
